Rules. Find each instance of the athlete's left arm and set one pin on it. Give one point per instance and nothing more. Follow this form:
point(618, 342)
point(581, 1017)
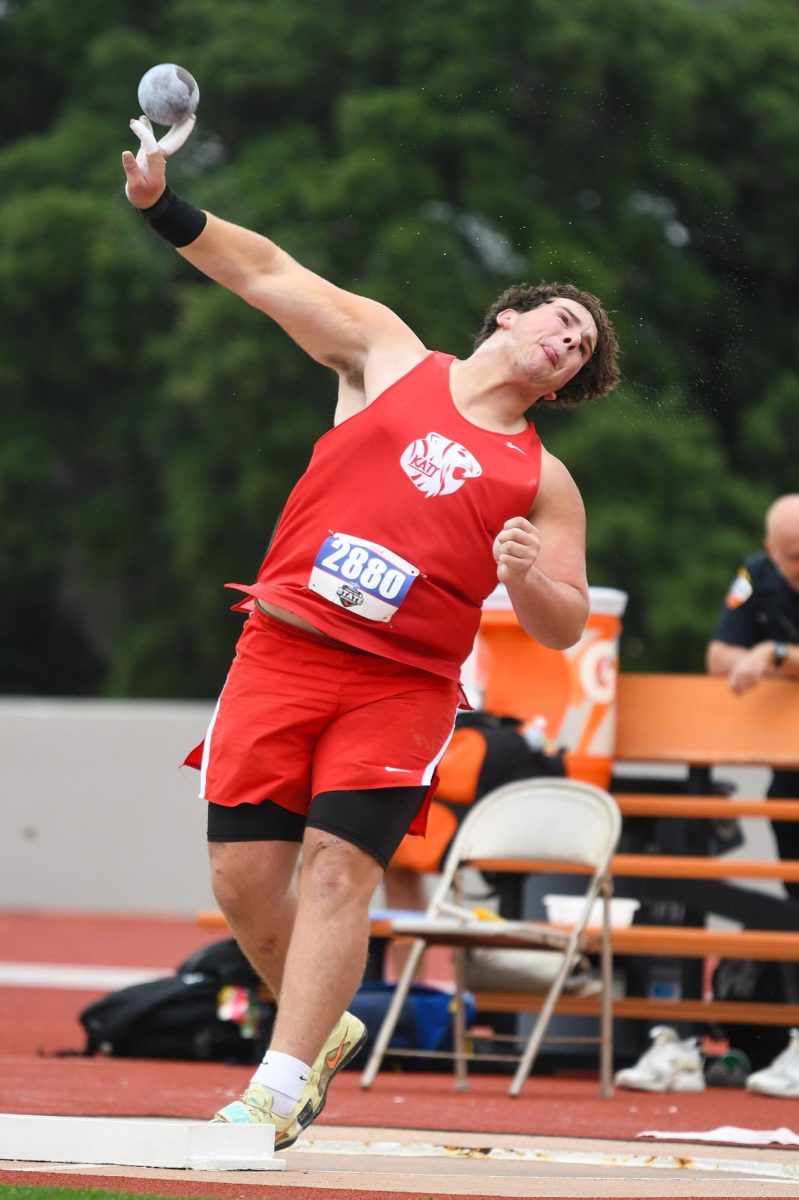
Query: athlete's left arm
point(541, 560)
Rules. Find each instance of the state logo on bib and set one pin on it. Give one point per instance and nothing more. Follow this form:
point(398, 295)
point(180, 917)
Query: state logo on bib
point(437, 466)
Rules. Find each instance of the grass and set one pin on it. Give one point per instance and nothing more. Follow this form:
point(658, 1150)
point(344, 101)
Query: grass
point(8, 1192)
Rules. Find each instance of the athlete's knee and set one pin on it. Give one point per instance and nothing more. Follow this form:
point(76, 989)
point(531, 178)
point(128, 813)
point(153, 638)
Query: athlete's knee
point(336, 871)
point(248, 876)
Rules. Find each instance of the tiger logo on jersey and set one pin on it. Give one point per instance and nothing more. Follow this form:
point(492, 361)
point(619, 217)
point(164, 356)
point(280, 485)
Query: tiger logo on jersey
point(438, 466)
point(740, 589)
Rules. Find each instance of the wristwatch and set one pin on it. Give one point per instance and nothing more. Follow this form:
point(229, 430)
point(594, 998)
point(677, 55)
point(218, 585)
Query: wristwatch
point(779, 653)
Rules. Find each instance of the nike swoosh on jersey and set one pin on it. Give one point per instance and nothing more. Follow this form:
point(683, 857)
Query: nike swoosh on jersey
point(524, 452)
point(401, 770)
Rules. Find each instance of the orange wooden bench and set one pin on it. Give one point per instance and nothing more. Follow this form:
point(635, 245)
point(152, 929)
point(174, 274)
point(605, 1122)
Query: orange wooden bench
point(696, 719)
point(695, 722)
point(666, 940)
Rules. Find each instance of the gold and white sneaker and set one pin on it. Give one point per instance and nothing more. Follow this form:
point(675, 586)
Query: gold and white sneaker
point(255, 1105)
point(347, 1038)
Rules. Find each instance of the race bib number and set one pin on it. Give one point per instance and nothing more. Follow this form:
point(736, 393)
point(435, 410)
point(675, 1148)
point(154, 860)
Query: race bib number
point(361, 576)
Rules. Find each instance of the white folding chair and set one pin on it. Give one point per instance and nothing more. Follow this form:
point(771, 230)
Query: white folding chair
point(534, 826)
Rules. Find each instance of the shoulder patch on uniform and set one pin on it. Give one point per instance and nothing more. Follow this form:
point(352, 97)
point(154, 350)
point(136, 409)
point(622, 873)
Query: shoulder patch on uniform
point(740, 589)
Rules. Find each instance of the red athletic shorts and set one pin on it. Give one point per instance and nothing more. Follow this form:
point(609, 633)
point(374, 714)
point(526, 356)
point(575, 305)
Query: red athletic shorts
point(301, 715)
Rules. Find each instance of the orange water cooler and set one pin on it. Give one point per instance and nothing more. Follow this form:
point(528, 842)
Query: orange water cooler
point(574, 689)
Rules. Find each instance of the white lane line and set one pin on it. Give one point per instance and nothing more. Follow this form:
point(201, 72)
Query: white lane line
point(68, 975)
point(668, 1162)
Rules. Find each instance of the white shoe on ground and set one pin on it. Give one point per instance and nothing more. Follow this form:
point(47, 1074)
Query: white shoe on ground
point(669, 1065)
point(780, 1078)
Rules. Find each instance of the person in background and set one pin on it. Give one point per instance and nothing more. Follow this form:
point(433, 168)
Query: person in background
point(757, 637)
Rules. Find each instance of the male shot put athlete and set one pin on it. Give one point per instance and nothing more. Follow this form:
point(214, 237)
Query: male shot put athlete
point(431, 485)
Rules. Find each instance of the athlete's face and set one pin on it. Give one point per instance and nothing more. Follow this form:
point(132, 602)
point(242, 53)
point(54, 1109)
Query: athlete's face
point(551, 342)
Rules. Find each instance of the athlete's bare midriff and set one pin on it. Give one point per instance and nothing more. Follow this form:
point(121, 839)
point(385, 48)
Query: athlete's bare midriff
point(290, 618)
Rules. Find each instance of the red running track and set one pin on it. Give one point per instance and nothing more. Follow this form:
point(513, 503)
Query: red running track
point(37, 1025)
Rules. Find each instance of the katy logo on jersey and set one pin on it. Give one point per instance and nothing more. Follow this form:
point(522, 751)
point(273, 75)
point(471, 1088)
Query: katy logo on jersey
point(438, 466)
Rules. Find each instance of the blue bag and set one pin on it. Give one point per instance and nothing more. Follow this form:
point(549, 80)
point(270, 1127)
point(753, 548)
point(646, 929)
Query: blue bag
point(425, 1022)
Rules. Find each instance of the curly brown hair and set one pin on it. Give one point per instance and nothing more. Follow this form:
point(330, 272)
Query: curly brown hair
point(601, 372)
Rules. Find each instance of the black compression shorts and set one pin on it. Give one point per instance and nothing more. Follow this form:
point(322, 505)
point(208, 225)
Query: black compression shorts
point(375, 819)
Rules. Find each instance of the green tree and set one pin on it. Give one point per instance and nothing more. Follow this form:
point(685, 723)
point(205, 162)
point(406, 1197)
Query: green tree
point(426, 153)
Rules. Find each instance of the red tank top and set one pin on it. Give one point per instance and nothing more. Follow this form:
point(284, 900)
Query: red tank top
point(386, 541)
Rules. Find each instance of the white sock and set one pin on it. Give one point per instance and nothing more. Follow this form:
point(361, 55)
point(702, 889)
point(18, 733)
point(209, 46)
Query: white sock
point(284, 1077)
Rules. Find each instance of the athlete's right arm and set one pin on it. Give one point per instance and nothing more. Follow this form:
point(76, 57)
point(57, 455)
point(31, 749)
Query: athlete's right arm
point(337, 328)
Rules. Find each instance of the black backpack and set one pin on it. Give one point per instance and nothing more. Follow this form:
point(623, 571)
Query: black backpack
point(486, 751)
point(508, 755)
point(178, 1017)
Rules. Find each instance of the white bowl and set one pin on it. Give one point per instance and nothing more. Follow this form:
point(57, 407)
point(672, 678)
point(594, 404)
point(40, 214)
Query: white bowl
point(565, 910)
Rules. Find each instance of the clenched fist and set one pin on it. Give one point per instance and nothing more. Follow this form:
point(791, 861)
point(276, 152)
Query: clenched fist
point(516, 548)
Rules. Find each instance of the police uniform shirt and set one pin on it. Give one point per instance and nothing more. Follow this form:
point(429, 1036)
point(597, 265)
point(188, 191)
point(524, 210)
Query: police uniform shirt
point(759, 606)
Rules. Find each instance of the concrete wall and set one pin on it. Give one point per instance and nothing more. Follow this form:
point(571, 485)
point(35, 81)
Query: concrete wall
point(96, 813)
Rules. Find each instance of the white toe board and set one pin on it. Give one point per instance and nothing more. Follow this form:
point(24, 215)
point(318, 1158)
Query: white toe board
point(195, 1145)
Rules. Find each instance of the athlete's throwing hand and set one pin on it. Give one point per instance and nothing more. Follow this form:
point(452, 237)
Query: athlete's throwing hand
point(146, 172)
point(516, 549)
